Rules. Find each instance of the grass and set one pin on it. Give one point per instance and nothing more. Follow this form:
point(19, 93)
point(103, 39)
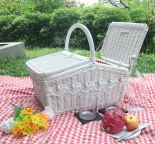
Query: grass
point(16, 66)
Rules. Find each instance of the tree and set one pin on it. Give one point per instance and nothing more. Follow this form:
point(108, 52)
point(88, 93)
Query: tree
point(116, 3)
point(69, 3)
point(128, 3)
point(47, 6)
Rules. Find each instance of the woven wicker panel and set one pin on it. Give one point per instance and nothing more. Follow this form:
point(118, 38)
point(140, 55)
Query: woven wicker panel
point(86, 88)
point(122, 41)
point(55, 63)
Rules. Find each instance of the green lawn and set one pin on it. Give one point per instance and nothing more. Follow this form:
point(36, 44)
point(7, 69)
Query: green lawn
point(16, 67)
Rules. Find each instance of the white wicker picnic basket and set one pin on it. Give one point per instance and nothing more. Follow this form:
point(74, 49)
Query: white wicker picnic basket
point(66, 81)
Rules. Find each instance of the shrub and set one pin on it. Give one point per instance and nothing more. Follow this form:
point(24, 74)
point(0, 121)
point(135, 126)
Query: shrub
point(8, 7)
point(6, 28)
point(19, 7)
point(88, 16)
point(104, 18)
point(38, 30)
point(33, 28)
point(61, 22)
point(141, 15)
point(47, 6)
point(150, 39)
point(50, 29)
point(98, 18)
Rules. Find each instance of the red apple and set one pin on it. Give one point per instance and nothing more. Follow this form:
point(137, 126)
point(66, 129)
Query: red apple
point(131, 122)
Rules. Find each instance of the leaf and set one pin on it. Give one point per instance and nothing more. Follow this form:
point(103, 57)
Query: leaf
point(17, 111)
point(17, 117)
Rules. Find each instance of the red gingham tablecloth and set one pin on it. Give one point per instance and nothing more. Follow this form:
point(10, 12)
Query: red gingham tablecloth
point(66, 129)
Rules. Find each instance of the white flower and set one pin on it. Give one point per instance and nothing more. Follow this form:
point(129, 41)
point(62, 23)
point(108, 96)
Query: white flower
point(7, 125)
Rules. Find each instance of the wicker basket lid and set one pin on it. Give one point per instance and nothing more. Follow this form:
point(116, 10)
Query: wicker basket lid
point(62, 61)
point(123, 40)
point(56, 63)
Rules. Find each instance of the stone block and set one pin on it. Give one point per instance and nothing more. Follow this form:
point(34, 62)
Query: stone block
point(11, 50)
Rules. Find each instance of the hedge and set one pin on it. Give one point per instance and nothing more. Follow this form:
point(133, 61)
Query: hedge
point(145, 16)
point(40, 29)
point(6, 28)
point(61, 22)
point(98, 18)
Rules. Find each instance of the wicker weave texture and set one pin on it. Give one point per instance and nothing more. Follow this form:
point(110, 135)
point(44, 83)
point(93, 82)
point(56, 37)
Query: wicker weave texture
point(81, 86)
point(122, 41)
point(61, 61)
point(94, 85)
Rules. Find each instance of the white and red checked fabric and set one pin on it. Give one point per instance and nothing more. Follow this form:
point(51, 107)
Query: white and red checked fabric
point(66, 129)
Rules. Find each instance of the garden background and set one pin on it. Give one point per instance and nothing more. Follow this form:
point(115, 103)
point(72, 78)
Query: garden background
point(43, 24)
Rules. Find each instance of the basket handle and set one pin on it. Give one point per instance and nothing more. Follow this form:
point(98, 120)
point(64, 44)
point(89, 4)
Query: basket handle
point(89, 38)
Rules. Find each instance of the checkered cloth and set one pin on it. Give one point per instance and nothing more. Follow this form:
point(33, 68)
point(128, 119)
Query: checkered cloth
point(66, 129)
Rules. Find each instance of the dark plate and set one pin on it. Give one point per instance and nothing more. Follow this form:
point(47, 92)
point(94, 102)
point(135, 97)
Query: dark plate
point(87, 115)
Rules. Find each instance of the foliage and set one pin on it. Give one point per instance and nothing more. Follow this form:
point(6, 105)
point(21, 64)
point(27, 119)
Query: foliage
point(32, 28)
point(37, 28)
point(129, 4)
point(104, 18)
point(146, 63)
point(48, 6)
point(61, 22)
point(43, 28)
point(70, 3)
point(6, 29)
point(141, 15)
point(19, 7)
point(118, 3)
point(150, 39)
point(97, 19)
point(16, 7)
